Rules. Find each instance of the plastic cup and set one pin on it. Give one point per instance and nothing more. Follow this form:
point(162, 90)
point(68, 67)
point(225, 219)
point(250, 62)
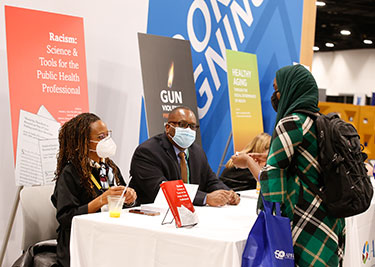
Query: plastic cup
point(115, 206)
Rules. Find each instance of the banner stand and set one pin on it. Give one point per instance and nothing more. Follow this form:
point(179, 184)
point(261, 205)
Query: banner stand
point(224, 153)
point(10, 224)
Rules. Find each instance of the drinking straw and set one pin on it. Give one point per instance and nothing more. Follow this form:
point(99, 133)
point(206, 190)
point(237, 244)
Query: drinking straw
point(123, 192)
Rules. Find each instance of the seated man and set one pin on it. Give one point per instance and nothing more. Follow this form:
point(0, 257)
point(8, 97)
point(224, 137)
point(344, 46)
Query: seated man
point(173, 155)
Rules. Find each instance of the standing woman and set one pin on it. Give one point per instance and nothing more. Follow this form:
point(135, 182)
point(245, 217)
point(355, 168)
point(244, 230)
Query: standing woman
point(85, 175)
point(318, 238)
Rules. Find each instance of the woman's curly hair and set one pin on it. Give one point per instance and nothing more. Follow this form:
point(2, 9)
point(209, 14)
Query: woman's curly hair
point(74, 141)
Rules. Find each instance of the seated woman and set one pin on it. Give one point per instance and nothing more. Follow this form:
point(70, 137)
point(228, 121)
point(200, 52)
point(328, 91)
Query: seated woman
point(242, 179)
point(85, 175)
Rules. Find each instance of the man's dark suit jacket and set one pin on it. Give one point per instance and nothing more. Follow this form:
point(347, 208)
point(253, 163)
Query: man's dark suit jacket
point(155, 161)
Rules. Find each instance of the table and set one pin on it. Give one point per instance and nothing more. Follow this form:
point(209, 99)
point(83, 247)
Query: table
point(140, 240)
point(359, 230)
point(218, 240)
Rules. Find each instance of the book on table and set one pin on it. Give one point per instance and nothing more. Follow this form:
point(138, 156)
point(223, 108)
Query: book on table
point(179, 203)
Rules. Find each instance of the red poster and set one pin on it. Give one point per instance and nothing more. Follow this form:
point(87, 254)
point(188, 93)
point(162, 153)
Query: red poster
point(46, 64)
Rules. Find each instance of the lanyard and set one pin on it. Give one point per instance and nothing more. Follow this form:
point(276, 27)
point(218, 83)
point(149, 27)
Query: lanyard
point(187, 165)
point(95, 182)
point(93, 179)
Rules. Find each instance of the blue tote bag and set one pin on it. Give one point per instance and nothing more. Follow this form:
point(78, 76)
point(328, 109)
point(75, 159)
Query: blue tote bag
point(270, 240)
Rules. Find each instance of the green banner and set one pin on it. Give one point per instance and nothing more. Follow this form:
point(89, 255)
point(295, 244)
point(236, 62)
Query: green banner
point(244, 97)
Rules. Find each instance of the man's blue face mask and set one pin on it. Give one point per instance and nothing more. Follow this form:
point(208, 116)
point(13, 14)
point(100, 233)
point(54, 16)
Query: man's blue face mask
point(183, 137)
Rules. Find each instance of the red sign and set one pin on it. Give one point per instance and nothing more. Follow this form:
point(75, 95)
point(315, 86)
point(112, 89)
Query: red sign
point(46, 64)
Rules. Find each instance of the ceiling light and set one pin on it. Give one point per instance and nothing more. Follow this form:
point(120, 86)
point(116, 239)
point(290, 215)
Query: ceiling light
point(345, 32)
point(367, 41)
point(330, 45)
point(315, 48)
point(320, 3)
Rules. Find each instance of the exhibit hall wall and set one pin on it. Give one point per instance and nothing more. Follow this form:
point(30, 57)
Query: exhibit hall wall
point(114, 83)
point(345, 72)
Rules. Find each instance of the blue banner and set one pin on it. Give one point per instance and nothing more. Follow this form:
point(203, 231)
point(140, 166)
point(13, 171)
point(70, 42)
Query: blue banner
point(271, 29)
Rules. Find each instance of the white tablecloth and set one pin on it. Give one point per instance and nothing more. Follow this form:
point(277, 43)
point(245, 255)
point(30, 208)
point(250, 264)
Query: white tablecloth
point(359, 230)
point(218, 240)
point(140, 240)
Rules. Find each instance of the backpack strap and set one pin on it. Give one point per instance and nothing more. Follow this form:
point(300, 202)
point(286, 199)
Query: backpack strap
point(307, 181)
point(300, 174)
point(307, 112)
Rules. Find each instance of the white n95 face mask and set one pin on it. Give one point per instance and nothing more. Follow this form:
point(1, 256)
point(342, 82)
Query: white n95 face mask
point(105, 148)
point(183, 137)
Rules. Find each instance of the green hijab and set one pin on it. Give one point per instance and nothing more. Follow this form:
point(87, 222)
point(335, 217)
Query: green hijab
point(298, 90)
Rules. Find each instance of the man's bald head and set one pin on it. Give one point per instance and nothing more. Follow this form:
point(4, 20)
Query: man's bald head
point(177, 112)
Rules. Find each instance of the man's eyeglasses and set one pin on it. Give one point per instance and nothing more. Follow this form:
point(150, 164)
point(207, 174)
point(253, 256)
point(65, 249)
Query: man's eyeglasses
point(184, 124)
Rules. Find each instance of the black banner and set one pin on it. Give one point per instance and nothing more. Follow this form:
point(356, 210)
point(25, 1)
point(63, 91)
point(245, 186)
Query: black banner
point(168, 81)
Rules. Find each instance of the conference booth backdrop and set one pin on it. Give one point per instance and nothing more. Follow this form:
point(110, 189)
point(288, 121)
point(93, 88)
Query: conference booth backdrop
point(279, 33)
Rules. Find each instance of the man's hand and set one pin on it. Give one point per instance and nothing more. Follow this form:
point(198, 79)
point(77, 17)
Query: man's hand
point(218, 198)
point(234, 198)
